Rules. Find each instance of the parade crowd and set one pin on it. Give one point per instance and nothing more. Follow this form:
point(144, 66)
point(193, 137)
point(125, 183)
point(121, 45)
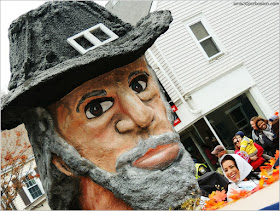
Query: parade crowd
point(241, 169)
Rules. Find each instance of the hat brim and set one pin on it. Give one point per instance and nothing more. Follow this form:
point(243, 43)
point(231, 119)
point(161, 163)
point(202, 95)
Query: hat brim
point(54, 83)
point(214, 152)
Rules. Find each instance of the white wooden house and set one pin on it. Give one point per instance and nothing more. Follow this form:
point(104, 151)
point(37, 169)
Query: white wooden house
point(32, 194)
point(219, 63)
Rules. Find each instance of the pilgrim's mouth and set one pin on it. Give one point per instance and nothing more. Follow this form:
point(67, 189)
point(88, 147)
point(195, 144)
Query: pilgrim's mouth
point(159, 157)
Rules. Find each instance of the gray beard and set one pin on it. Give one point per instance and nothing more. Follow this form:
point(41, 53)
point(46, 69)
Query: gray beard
point(140, 188)
point(146, 189)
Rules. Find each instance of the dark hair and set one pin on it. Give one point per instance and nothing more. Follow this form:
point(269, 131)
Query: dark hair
point(229, 157)
point(258, 120)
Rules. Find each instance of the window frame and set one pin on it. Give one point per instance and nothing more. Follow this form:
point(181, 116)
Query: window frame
point(37, 182)
point(211, 34)
point(32, 183)
point(229, 112)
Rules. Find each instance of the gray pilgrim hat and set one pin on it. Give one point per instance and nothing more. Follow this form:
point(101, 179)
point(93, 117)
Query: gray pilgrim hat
point(62, 44)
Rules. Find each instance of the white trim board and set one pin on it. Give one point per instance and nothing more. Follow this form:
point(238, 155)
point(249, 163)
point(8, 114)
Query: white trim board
point(213, 95)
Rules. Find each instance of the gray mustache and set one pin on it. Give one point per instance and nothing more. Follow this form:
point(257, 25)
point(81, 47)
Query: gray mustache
point(105, 178)
point(143, 146)
point(141, 188)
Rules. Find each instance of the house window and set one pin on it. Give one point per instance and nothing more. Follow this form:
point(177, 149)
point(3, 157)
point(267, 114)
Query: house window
point(204, 37)
point(232, 117)
point(239, 118)
point(32, 187)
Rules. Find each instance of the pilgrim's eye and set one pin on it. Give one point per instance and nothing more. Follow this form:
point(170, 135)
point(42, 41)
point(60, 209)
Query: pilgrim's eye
point(139, 84)
point(97, 107)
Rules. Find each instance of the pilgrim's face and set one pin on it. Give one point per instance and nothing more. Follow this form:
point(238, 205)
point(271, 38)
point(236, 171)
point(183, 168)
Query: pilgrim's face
point(231, 170)
point(108, 115)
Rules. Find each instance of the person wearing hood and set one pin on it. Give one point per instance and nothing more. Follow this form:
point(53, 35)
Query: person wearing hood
point(239, 173)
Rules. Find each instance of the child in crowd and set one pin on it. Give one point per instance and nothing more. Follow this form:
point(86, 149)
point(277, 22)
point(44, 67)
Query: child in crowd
point(255, 164)
point(247, 145)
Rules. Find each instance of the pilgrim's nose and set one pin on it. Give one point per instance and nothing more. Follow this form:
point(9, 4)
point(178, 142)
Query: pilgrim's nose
point(137, 113)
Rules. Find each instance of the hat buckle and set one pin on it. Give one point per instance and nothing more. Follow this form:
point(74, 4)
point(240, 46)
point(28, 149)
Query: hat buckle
point(87, 34)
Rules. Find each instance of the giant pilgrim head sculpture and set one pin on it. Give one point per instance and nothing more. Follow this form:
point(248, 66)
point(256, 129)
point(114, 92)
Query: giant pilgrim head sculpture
point(100, 129)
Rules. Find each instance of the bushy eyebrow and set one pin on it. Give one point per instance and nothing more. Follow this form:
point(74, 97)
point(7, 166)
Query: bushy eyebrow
point(90, 94)
point(137, 72)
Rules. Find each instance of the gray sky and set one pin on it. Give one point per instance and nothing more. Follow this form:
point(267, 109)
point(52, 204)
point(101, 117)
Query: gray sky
point(11, 10)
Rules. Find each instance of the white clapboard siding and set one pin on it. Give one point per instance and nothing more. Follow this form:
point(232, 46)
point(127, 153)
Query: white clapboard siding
point(249, 35)
point(18, 202)
point(161, 76)
point(27, 168)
